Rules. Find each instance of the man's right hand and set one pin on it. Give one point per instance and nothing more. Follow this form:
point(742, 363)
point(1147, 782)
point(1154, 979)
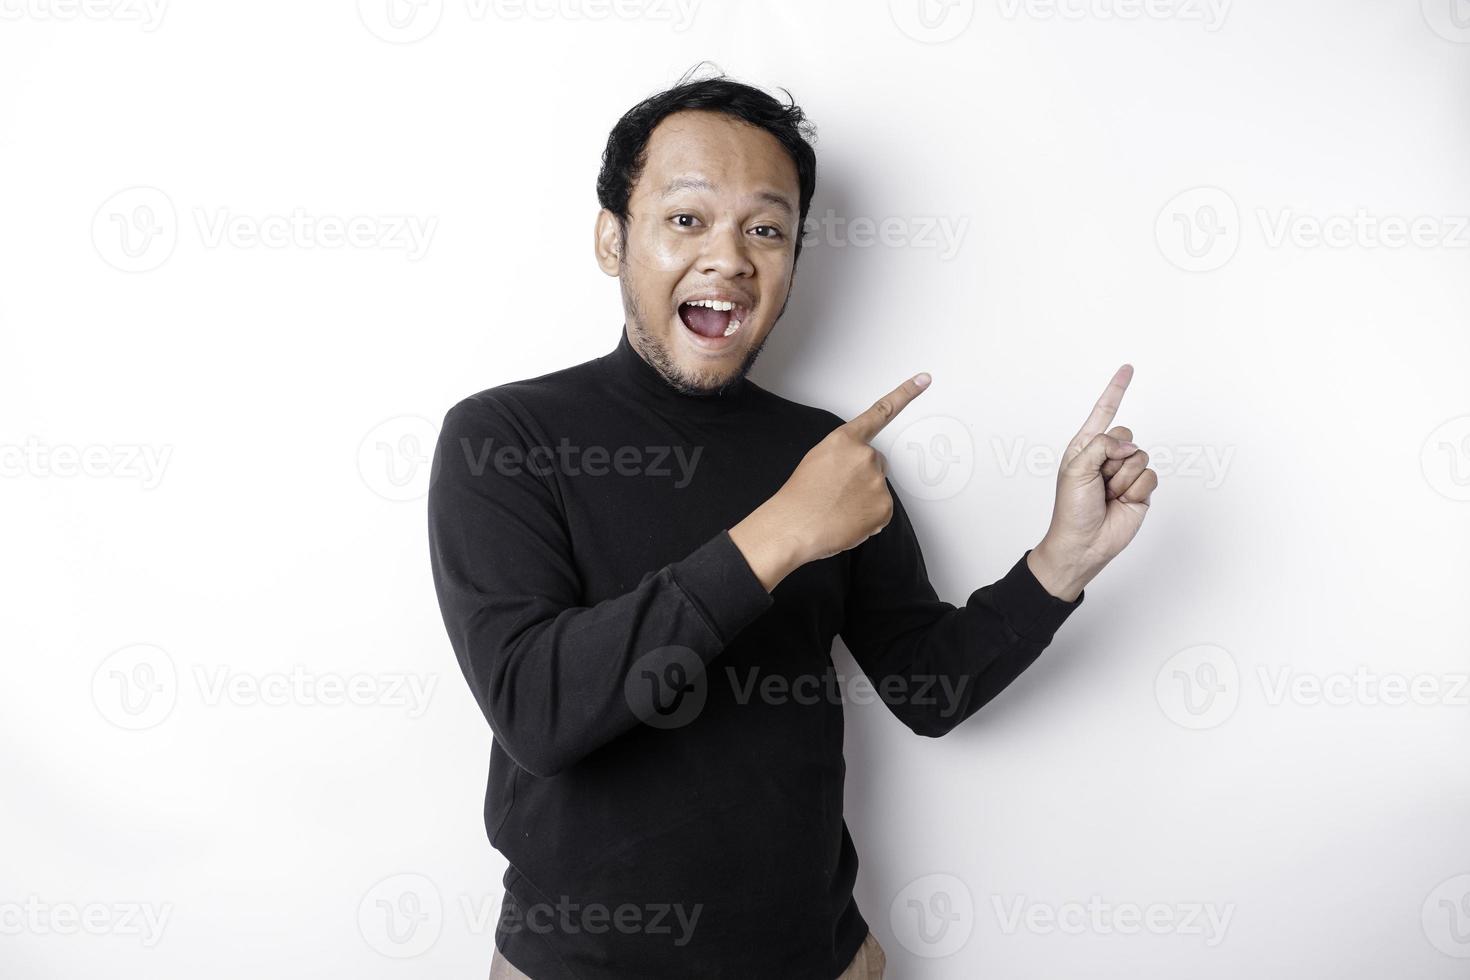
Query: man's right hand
point(836, 498)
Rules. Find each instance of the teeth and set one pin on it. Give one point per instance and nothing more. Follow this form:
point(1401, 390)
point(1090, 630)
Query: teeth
point(724, 306)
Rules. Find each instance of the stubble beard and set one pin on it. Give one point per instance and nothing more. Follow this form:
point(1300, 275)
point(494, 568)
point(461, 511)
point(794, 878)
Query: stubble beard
point(658, 355)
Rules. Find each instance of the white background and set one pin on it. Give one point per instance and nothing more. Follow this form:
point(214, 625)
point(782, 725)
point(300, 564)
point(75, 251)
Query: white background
point(1134, 183)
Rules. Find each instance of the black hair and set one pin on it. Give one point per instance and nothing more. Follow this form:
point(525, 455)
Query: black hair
point(624, 158)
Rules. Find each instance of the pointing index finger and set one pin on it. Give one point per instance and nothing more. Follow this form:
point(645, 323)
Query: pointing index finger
point(1107, 405)
point(884, 410)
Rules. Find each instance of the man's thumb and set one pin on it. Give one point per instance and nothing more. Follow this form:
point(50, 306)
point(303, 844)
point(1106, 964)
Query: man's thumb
point(1101, 448)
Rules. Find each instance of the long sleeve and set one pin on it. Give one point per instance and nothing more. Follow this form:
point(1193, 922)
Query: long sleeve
point(940, 664)
point(548, 672)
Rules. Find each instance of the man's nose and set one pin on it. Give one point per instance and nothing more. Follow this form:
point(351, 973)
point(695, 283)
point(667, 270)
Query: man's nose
point(725, 253)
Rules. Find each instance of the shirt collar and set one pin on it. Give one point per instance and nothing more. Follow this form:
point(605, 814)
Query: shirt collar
point(629, 370)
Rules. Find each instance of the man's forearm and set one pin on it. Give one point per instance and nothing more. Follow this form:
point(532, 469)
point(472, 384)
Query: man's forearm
point(774, 551)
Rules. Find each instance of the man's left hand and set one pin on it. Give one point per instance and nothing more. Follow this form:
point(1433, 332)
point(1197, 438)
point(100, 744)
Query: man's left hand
point(1104, 488)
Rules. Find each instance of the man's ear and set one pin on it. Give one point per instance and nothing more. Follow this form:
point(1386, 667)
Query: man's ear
point(607, 243)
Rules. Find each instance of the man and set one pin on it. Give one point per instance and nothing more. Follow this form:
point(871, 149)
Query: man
point(642, 561)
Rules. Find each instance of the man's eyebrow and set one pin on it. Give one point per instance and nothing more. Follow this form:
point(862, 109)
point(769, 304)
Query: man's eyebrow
point(687, 184)
point(700, 184)
point(779, 200)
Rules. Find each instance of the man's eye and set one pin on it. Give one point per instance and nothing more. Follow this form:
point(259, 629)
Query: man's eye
point(679, 217)
point(774, 231)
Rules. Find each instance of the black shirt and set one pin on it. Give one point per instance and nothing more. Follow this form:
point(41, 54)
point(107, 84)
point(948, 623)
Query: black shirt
point(666, 773)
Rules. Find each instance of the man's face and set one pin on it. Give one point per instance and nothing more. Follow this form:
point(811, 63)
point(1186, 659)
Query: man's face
point(712, 218)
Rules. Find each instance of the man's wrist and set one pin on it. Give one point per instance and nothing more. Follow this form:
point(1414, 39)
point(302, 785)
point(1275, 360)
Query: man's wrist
point(1058, 574)
point(771, 552)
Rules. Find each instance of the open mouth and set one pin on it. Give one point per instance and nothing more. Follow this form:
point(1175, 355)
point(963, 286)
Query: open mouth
point(713, 319)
